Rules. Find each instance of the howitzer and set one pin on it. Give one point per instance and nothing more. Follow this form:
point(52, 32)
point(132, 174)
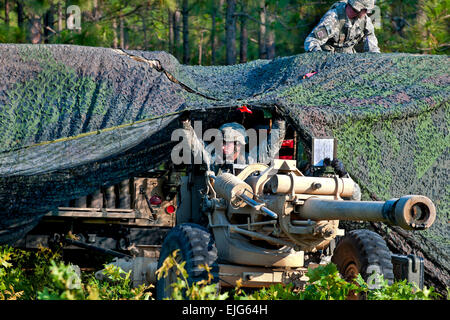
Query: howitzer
point(411, 212)
point(269, 224)
point(307, 209)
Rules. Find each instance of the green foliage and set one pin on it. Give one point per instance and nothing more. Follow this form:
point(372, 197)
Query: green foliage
point(273, 292)
point(68, 285)
point(400, 290)
point(24, 272)
point(181, 289)
point(43, 275)
point(117, 286)
point(52, 279)
point(422, 25)
point(325, 283)
point(65, 284)
point(432, 35)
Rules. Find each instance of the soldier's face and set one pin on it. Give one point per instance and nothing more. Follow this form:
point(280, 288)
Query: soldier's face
point(352, 13)
point(231, 150)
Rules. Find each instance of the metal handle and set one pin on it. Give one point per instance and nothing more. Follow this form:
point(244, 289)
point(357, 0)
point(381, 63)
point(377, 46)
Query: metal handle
point(258, 206)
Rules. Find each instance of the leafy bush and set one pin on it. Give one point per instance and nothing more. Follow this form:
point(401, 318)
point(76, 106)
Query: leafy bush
point(181, 289)
point(67, 285)
point(324, 283)
point(23, 273)
point(43, 275)
point(274, 292)
point(400, 290)
point(118, 286)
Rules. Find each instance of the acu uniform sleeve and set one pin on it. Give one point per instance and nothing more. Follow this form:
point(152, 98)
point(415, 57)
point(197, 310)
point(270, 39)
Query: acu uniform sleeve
point(326, 29)
point(196, 146)
point(267, 149)
point(370, 40)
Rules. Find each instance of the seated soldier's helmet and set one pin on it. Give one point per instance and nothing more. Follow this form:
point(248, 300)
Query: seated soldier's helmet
point(359, 5)
point(233, 131)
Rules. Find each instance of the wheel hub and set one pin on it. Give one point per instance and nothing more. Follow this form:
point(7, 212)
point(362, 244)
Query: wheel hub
point(350, 271)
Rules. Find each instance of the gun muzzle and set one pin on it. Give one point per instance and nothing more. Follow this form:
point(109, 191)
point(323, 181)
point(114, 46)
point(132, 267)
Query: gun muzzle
point(412, 212)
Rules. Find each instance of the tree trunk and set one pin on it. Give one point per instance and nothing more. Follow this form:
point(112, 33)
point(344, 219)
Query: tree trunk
point(262, 30)
point(20, 15)
point(60, 17)
point(95, 10)
point(200, 48)
point(144, 27)
point(7, 12)
point(270, 43)
point(244, 34)
point(185, 12)
point(213, 32)
point(48, 22)
point(176, 33)
point(421, 20)
point(35, 29)
point(230, 31)
point(170, 17)
point(115, 39)
point(122, 31)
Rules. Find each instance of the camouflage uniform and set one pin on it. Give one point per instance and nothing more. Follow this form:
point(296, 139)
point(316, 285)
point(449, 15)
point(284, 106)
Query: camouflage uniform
point(263, 153)
point(336, 32)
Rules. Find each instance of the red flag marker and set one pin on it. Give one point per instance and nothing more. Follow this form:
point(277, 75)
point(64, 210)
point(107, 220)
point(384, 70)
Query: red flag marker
point(244, 109)
point(309, 75)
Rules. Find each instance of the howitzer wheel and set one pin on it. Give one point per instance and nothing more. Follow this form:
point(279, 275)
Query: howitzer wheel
point(363, 252)
point(197, 247)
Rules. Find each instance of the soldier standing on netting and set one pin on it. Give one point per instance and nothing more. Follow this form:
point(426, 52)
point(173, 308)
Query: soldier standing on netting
point(344, 26)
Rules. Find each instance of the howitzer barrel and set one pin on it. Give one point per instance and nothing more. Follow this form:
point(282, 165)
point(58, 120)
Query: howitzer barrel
point(412, 212)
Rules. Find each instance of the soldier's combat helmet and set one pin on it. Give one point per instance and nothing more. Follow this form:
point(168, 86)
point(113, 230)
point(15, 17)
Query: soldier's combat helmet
point(233, 131)
point(359, 5)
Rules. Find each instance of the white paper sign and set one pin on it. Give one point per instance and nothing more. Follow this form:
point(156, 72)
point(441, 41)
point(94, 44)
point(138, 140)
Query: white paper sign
point(322, 148)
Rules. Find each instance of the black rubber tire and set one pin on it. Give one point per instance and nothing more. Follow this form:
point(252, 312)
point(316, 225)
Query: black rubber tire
point(361, 252)
point(197, 247)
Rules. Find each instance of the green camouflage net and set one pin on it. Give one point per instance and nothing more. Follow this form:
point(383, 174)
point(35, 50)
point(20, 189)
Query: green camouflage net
point(73, 119)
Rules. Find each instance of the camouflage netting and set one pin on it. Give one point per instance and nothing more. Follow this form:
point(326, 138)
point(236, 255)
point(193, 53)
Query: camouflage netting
point(73, 119)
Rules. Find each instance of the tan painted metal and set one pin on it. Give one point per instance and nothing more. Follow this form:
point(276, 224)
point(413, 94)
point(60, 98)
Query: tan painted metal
point(257, 277)
point(238, 249)
point(312, 185)
point(415, 212)
point(229, 186)
point(409, 212)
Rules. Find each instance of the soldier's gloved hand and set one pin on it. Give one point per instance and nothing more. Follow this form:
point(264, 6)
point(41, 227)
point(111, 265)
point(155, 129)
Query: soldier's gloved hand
point(185, 115)
point(338, 167)
point(185, 120)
